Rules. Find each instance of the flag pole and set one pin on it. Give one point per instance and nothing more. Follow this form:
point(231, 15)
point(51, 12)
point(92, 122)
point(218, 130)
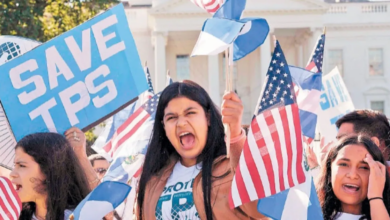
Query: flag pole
point(228, 84)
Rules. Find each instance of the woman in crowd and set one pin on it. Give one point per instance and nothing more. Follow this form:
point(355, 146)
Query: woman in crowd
point(48, 177)
point(354, 183)
point(186, 173)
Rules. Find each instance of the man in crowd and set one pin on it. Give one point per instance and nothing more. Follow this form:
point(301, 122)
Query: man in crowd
point(367, 122)
point(99, 164)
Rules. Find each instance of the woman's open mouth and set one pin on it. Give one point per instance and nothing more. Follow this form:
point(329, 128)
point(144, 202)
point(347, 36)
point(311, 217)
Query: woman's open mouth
point(351, 188)
point(187, 140)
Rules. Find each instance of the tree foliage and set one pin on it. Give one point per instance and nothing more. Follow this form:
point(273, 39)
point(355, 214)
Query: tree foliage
point(44, 19)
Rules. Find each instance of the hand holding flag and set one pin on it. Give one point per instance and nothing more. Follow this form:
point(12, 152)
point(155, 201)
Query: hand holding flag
point(272, 158)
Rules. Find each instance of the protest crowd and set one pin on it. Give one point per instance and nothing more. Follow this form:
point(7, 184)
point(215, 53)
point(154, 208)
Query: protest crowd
point(175, 154)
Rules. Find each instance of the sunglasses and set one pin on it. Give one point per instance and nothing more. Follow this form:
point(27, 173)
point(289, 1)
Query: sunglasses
point(101, 171)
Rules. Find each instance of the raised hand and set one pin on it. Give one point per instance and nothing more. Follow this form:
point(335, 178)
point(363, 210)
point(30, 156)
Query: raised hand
point(77, 141)
point(377, 179)
point(232, 111)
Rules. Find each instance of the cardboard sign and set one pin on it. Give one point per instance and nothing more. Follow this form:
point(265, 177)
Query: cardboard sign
point(335, 102)
point(76, 79)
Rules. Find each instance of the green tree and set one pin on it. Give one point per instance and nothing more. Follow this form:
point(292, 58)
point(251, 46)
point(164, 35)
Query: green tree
point(44, 19)
point(22, 18)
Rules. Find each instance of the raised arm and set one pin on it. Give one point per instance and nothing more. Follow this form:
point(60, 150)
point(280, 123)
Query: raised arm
point(376, 185)
point(232, 111)
point(78, 142)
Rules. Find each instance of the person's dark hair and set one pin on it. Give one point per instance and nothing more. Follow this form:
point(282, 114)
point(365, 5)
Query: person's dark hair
point(160, 149)
point(370, 123)
point(95, 157)
point(330, 204)
point(65, 184)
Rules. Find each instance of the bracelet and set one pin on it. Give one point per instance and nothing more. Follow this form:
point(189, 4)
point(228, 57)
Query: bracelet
point(375, 198)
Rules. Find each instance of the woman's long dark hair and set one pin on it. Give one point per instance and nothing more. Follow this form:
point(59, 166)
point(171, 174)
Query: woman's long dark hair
point(330, 204)
point(65, 184)
point(161, 150)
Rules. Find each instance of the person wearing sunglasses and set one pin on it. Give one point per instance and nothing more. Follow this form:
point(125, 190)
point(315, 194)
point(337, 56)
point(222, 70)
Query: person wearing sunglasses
point(99, 164)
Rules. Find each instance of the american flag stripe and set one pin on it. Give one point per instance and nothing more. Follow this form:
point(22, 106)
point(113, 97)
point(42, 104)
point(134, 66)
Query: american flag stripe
point(127, 136)
point(312, 67)
point(10, 203)
point(261, 156)
point(270, 160)
point(250, 158)
point(281, 123)
point(283, 165)
point(211, 6)
point(119, 133)
point(289, 148)
point(278, 154)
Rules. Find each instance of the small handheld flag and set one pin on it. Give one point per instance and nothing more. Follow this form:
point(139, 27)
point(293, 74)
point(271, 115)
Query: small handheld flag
point(272, 158)
point(102, 200)
point(10, 204)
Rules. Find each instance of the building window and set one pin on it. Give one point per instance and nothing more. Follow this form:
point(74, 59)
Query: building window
point(375, 57)
point(378, 106)
point(183, 67)
point(335, 59)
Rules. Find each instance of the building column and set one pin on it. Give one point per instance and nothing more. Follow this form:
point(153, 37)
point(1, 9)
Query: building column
point(299, 49)
point(159, 41)
point(214, 79)
point(257, 79)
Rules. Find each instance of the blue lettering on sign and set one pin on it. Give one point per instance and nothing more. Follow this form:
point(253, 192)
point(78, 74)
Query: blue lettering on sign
point(332, 96)
point(339, 88)
point(334, 119)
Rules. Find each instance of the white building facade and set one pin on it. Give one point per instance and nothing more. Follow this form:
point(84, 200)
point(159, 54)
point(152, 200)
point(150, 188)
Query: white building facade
point(357, 42)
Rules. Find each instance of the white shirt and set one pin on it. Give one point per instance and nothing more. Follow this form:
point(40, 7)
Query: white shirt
point(67, 213)
point(176, 201)
point(346, 216)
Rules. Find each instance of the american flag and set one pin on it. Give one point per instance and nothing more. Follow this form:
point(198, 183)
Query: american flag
point(211, 6)
point(315, 63)
point(308, 99)
point(10, 204)
point(149, 79)
point(272, 156)
point(127, 130)
point(118, 119)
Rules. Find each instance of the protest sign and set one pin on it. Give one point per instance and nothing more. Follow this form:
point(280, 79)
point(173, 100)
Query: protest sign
point(335, 102)
point(76, 79)
point(10, 48)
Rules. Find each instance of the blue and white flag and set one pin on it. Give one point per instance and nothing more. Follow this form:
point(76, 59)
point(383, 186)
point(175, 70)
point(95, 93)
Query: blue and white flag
point(102, 200)
point(226, 28)
point(307, 86)
point(300, 202)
